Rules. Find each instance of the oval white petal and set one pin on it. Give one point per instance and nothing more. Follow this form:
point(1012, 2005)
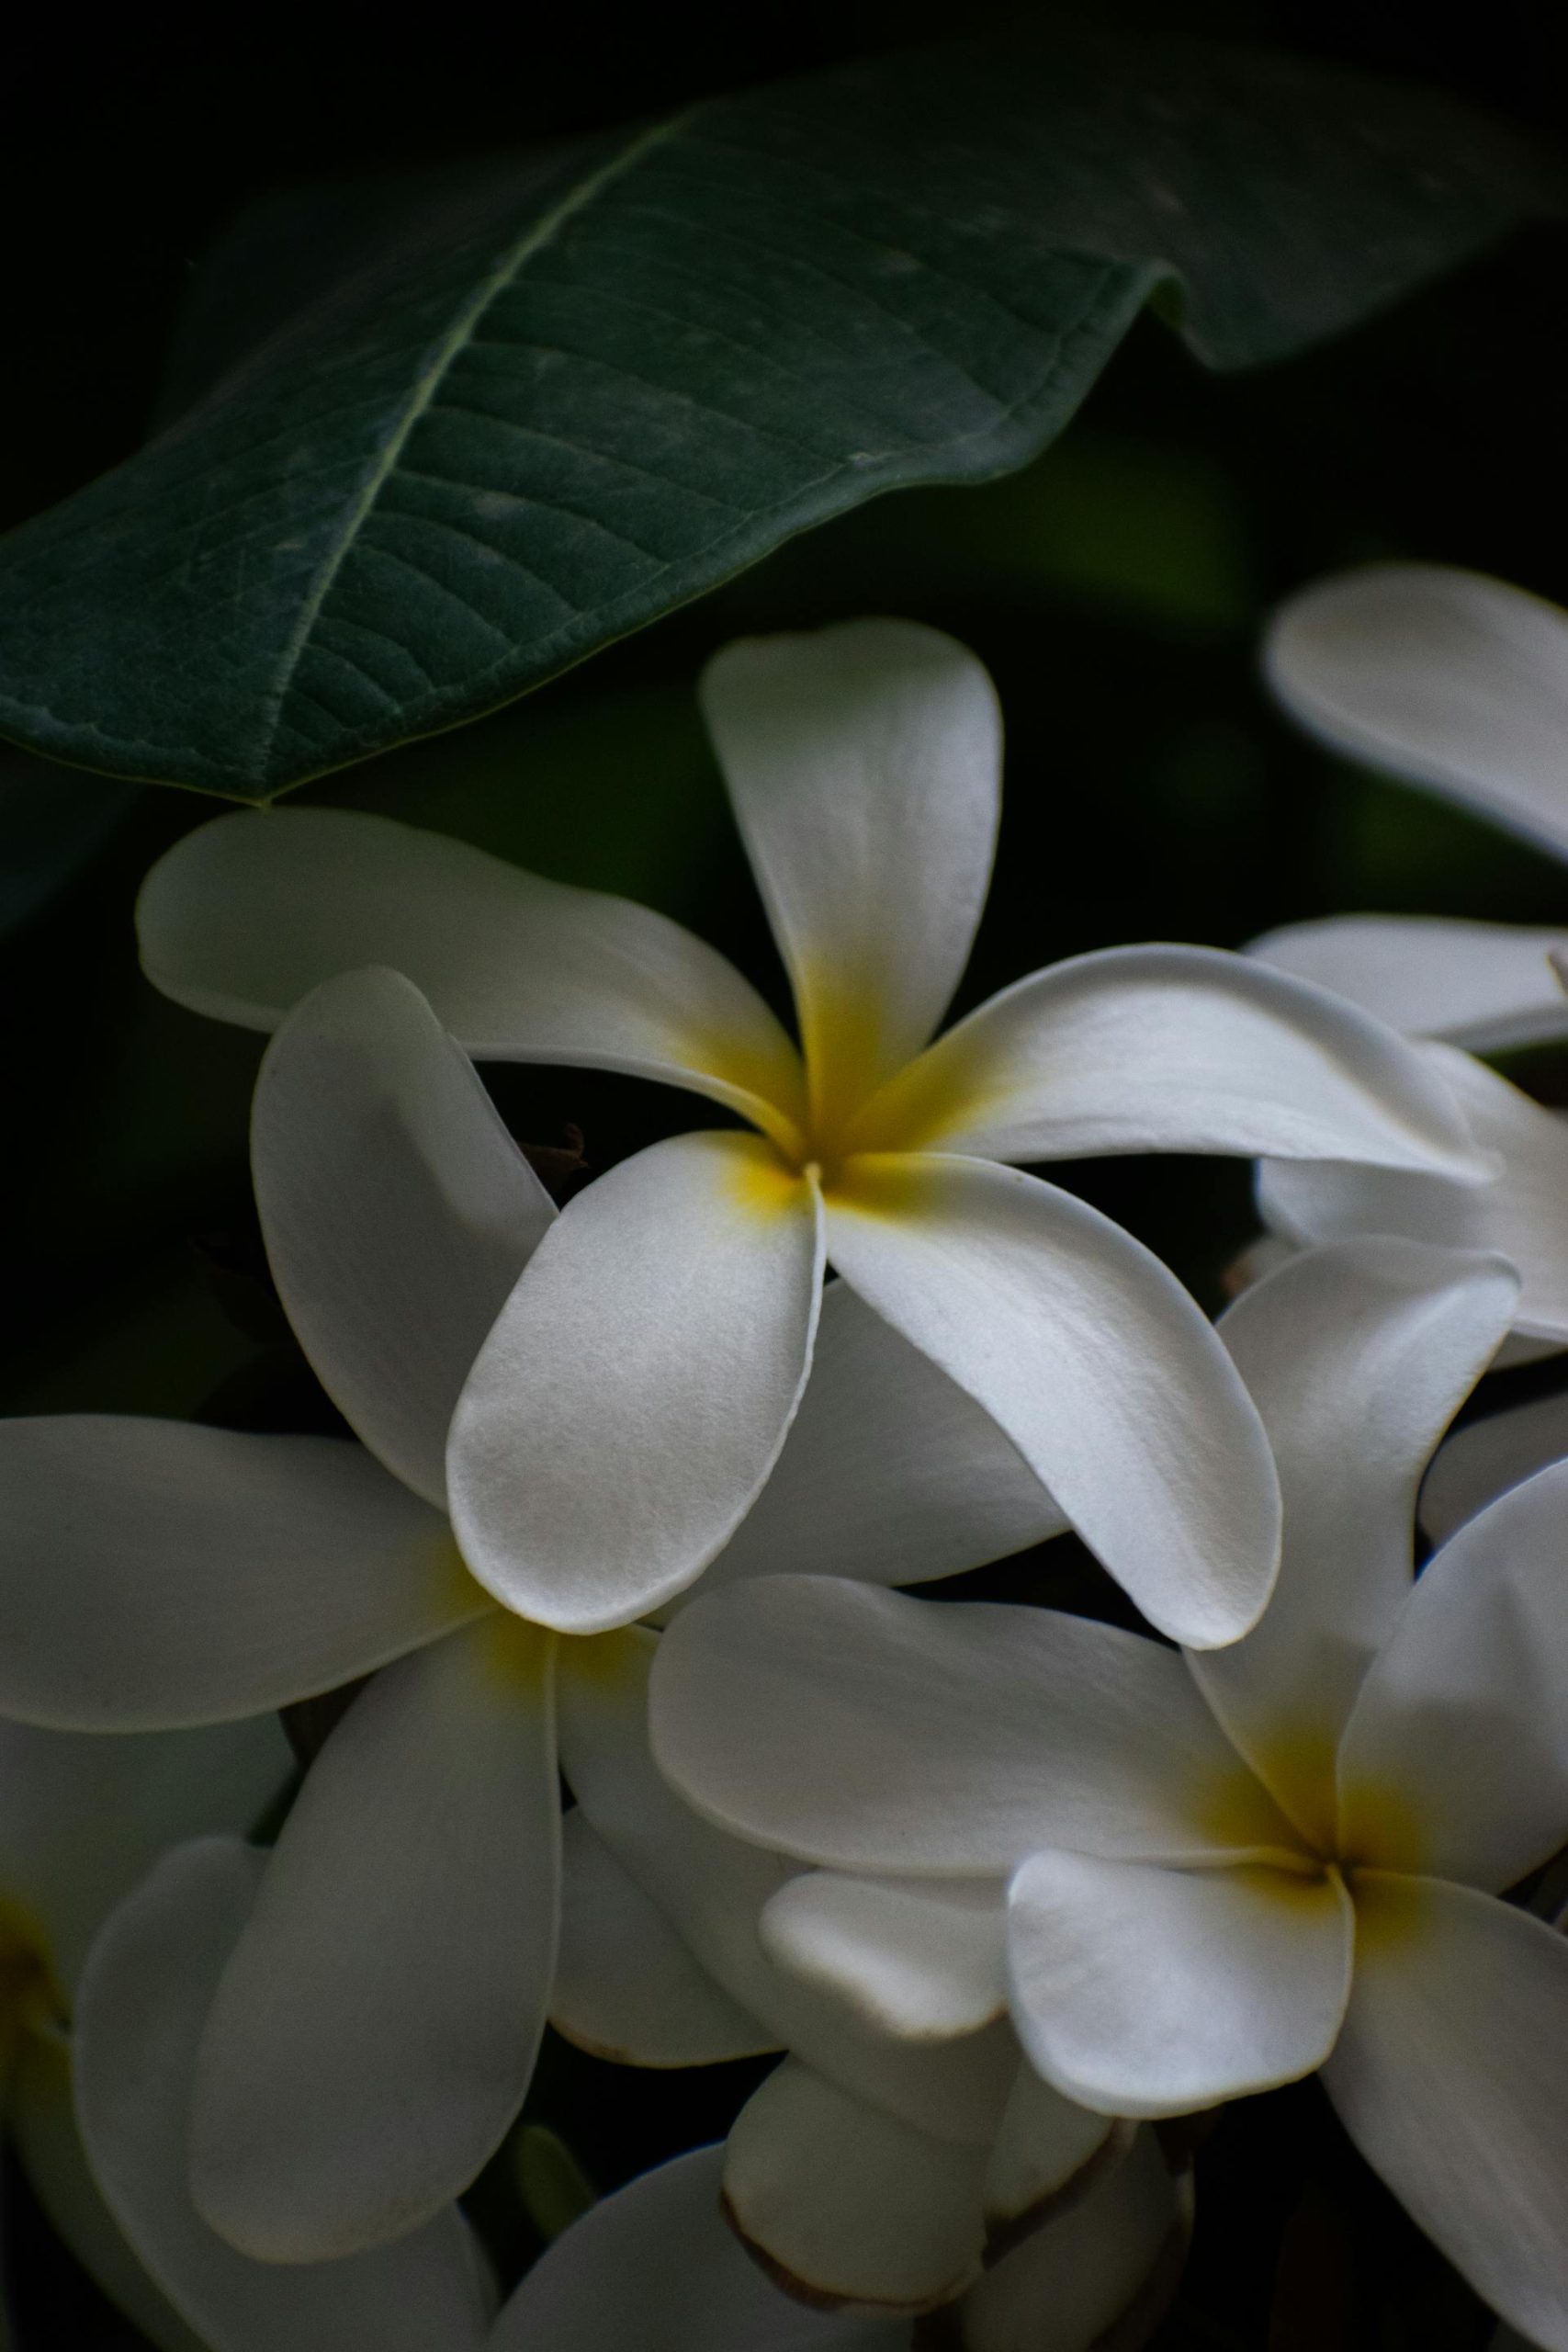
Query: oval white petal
point(374, 2032)
point(397, 1210)
point(635, 1392)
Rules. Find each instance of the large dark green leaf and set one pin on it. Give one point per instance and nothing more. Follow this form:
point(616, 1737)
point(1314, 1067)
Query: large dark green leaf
point(564, 395)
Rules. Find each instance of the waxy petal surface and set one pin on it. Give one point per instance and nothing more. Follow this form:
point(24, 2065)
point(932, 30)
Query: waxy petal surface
point(1452, 2076)
point(1486, 1457)
point(654, 2268)
point(850, 2205)
point(1482, 985)
point(395, 1209)
point(1172, 1048)
point(1092, 1358)
point(1449, 678)
point(1521, 1214)
point(864, 765)
point(891, 1473)
point(1146, 1991)
point(1455, 1759)
point(924, 1959)
point(869, 1732)
point(83, 1818)
point(245, 917)
point(154, 1574)
point(712, 1888)
point(637, 1388)
point(143, 2001)
point(375, 2031)
point(626, 1986)
point(1356, 1355)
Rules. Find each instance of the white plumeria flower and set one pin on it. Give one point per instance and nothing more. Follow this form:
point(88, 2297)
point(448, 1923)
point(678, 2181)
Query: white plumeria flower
point(80, 1820)
point(652, 2268)
point(1459, 683)
point(377, 2028)
point(666, 1324)
point(1230, 1870)
point(876, 2168)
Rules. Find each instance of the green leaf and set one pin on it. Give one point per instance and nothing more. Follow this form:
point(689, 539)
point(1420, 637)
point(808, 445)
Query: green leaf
point(553, 398)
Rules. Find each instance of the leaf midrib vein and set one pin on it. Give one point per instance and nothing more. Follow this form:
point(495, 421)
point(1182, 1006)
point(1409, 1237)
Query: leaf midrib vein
point(459, 335)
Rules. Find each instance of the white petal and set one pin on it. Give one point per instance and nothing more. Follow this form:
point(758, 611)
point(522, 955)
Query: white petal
point(397, 1210)
point(83, 1817)
point(864, 765)
point(40, 2120)
point(1146, 1991)
point(143, 1999)
point(1070, 2286)
point(847, 2204)
point(891, 1474)
point(654, 2268)
point(1447, 677)
point(635, 1392)
point(1094, 1360)
point(712, 1889)
point(1357, 1356)
point(1048, 2150)
point(155, 1572)
point(868, 1731)
point(375, 2031)
point(1170, 1048)
point(918, 1958)
point(1483, 985)
point(627, 1987)
point(243, 917)
point(1455, 1759)
point(1451, 2076)
point(1521, 1214)
point(1485, 1458)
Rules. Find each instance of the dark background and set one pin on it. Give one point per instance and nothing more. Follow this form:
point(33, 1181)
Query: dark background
point(1116, 589)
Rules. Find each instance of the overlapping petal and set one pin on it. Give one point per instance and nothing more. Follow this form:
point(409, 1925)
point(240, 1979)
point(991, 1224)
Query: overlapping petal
point(1481, 1461)
point(155, 1574)
point(1093, 1360)
point(626, 1986)
point(713, 1888)
point(1451, 2076)
point(41, 2121)
point(1454, 680)
point(1048, 2154)
point(891, 1473)
point(1172, 1048)
point(922, 1958)
point(1097, 2278)
point(1521, 1214)
point(864, 765)
point(143, 1999)
point(398, 1211)
point(245, 917)
point(654, 2268)
point(1482, 985)
point(1142, 1990)
point(82, 1818)
point(1357, 1356)
point(1455, 1759)
point(846, 2203)
point(869, 1732)
point(637, 1388)
point(374, 2032)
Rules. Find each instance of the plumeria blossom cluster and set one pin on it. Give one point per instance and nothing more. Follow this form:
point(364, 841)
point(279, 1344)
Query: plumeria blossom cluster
point(629, 1502)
